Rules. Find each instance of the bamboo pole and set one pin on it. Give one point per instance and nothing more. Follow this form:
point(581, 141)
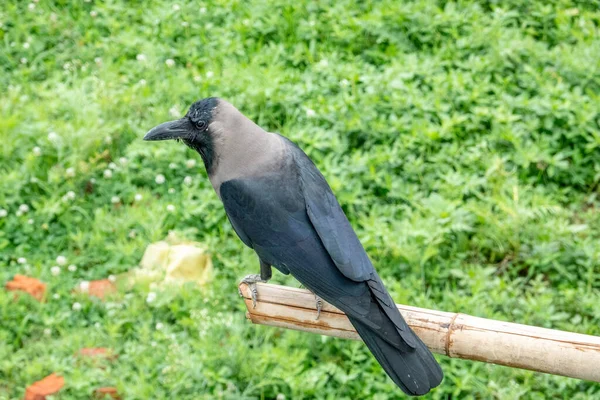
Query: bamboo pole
point(452, 334)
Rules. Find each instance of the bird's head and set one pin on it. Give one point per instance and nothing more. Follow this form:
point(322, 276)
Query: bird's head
point(194, 129)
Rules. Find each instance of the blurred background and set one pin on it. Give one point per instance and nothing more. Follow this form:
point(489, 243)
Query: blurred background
point(462, 139)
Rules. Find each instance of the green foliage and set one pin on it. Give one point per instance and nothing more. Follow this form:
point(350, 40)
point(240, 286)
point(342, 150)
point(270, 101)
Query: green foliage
point(462, 138)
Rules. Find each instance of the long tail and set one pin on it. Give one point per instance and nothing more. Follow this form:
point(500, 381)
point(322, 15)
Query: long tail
point(415, 371)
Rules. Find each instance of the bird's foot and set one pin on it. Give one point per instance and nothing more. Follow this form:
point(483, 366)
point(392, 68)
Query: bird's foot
point(251, 281)
point(319, 306)
point(319, 302)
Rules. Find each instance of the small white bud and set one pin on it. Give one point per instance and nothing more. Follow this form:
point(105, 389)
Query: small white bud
point(170, 208)
point(187, 180)
point(191, 163)
point(37, 151)
point(84, 286)
point(3, 213)
point(108, 173)
point(72, 268)
point(170, 62)
point(61, 260)
point(55, 270)
point(76, 306)
point(160, 179)
point(140, 57)
point(151, 297)
point(22, 260)
point(70, 172)
point(24, 208)
point(115, 200)
point(138, 197)
point(159, 326)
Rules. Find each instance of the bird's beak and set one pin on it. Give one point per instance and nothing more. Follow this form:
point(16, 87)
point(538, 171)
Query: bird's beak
point(169, 130)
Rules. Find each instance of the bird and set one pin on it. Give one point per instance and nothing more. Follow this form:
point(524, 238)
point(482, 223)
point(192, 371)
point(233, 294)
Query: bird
point(281, 206)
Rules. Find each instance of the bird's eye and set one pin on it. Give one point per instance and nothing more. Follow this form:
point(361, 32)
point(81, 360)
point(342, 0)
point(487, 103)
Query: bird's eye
point(201, 125)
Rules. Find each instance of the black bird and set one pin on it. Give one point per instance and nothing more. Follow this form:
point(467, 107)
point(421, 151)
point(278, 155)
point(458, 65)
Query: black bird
point(280, 205)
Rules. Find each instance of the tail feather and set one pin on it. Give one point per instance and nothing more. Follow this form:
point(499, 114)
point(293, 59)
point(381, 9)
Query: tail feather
point(415, 371)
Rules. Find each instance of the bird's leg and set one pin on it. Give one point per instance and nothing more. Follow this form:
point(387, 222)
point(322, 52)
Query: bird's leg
point(265, 274)
point(319, 303)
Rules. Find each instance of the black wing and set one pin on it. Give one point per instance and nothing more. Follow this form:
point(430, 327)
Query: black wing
point(340, 240)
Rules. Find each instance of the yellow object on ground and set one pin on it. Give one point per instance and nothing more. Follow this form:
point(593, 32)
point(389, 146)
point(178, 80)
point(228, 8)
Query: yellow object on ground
point(174, 261)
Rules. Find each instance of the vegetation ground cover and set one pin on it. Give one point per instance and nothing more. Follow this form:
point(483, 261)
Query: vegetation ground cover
point(462, 139)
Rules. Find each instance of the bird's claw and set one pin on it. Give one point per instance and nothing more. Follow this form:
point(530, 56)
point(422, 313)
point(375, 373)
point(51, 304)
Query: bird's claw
point(319, 306)
point(251, 281)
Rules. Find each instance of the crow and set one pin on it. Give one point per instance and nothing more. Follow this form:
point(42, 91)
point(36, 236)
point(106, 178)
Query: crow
point(281, 206)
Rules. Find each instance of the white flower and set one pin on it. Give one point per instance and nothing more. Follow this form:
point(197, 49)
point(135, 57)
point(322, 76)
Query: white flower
point(280, 396)
point(176, 7)
point(84, 286)
point(112, 165)
point(138, 197)
point(115, 200)
point(209, 74)
point(323, 63)
point(22, 260)
point(92, 180)
point(107, 173)
point(53, 137)
point(151, 297)
point(171, 190)
point(70, 195)
point(185, 23)
point(55, 270)
point(123, 161)
point(310, 113)
point(93, 13)
point(31, 6)
point(173, 165)
point(170, 62)
point(23, 60)
point(76, 306)
point(97, 325)
point(142, 82)
point(26, 45)
point(174, 112)
point(56, 296)
point(202, 10)
point(72, 268)
point(47, 332)
point(30, 221)
point(170, 208)
point(159, 326)
point(160, 179)
point(197, 78)
point(70, 172)
point(311, 22)
point(187, 180)
point(67, 66)
point(132, 233)
point(344, 82)
point(24, 208)
point(112, 278)
point(61, 260)
point(3, 213)
point(191, 163)
point(140, 57)
point(98, 60)
point(37, 151)
point(108, 140)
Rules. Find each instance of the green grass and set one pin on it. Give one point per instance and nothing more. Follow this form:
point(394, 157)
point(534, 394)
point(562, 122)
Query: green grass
point(462, 139)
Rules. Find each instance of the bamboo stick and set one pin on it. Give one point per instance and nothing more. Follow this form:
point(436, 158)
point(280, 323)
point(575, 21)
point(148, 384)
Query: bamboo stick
point(452, 334)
